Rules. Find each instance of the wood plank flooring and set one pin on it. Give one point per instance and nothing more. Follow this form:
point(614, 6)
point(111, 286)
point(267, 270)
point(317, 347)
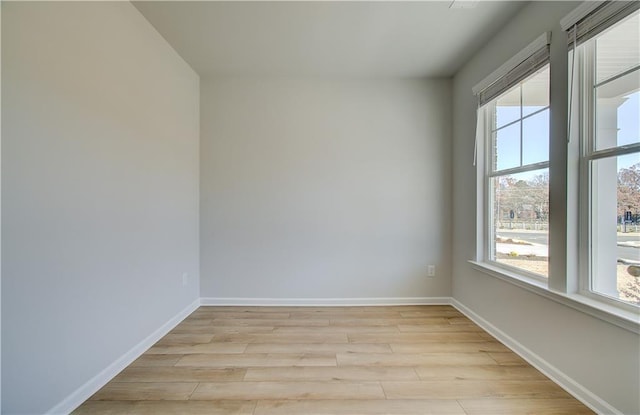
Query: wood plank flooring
point(330, 360)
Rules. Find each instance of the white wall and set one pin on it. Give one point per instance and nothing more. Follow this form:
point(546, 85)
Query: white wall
point(100, 192)
point(599, 356)
point(325, 188)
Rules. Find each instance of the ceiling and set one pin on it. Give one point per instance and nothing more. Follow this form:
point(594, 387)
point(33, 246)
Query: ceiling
point(324, 38)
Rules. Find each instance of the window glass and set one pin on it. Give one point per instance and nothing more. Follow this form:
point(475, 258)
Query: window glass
point(535, 93)
point(507, 147)
point(618, 49)
point(611, 162)
point(518, 202)
point(508, 107)
point(521, 225)
point(617, 112)
point(520, 130)
point(615, 227)
point(535, 138)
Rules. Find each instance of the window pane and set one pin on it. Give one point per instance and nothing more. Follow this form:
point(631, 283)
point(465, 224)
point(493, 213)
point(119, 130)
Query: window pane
point(617, 112)
point(535, 138)
point(535, 92)
point(508, 107)
point(507, 147)
point(618, 49)
point(520, 220)
point(615, 227)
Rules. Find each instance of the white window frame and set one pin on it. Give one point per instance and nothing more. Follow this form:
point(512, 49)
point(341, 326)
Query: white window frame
point(562, 285)
point(489, 174)
point(520, 67)
point(583, 140)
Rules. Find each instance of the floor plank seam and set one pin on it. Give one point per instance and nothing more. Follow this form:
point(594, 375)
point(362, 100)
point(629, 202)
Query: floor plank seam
point(194, 389)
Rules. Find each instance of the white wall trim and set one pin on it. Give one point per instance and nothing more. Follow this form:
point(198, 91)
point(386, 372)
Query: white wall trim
point(85, 391)
point(323, 302)
point(578, 391)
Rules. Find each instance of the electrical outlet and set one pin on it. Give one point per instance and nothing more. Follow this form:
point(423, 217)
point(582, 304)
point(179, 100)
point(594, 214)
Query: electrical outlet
point(431, 270)
point(185, 279)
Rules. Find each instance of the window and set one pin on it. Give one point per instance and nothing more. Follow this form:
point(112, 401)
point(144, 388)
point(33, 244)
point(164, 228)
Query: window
point(513, 164)
point(607, 107)
point(518, 175)
point(595, 161)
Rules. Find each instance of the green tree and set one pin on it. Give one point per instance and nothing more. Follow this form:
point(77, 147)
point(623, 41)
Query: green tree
point(539, 187)
point(528, 199)
point(629, 190)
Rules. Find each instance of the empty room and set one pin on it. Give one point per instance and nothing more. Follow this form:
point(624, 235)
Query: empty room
point(320, 207)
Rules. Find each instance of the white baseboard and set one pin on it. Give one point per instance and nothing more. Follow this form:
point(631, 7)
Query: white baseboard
point(581, 393)
point(323, 302)
point(84, 392)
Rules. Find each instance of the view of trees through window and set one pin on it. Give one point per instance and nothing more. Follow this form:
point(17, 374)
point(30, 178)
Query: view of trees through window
point(628, 232)
point(519, 177)
point(629, 195)
point(521, 220)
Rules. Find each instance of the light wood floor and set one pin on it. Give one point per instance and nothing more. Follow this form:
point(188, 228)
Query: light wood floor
point(338, 360)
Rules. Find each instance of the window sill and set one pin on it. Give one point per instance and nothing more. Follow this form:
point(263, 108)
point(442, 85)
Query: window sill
point(622, 318)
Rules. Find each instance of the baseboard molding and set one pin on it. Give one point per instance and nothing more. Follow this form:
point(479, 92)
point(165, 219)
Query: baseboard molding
point(323, 302)
point(94, 384)
point(578, 391)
